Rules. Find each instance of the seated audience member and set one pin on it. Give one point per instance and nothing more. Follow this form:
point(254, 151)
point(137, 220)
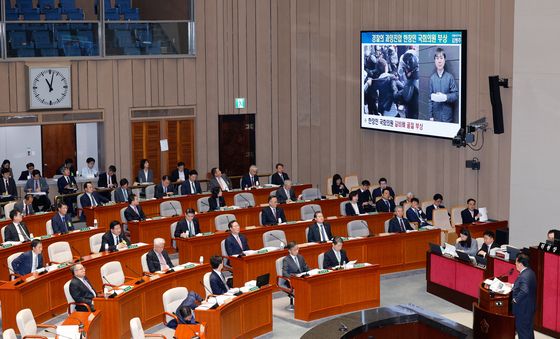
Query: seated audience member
point(218, 284)
point(250, 180)
point(81, 289)
point(286, 193)
point(385, 204)
point(488, 244)
point(415, 214)
point(216, 200)
point(466, 243)
point(235, 243)
point(279, 177)
point(27, 174)
point(67, 185)
point(114, 239)
point(16, 230)
point(552, 235)
point(29, 261)
point(90, 198)
point(180, 174)
point(272, 214)
point(408, 200)
point(7, 165)
point(364, 197)
point(398, 224)
point(293, 263)
point(191, 186)
point(8, 189)
point(187, 227)
point(158, 259)
point(68, 164)
point(470, 214)
point(184, 311)
point(134, 211)
point(163, 189)
point(219, 180)
point(26, 205)
point(89, 171)
point(319, 231)
point(145, 173)
point(336, 256)
point(438, 199)
point(108, 180)
point(382, 186)
point(338, 186)
point(123, 192)
point(353, 208)
point(62, 222)
point(38, 184)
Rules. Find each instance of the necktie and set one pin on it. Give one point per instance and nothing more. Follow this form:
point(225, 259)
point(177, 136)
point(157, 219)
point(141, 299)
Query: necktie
point(402, 225)
point(164, 189)
point(193, 190)
point(25, 236)
point(67, 180)
point(36, 185)
point(88, 285)
point(109, 179)
point(287, 194)
point(6, 185)
point(93, 202)
point(34, 264)
point(273, 211)
point(252, 181)
point(161, 259)
point(26, 209)
point(125, 195)
point(388, 206)
point(116, 240)
point(191, 228)
point(239, 242)
point(337, 254)
point(297, 263)
point(323, 233)
point(223, 280)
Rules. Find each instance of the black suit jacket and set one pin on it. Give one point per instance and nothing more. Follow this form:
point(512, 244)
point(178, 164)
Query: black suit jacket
point(183, 227)
point(81, 294)
point(485, 248)
point(217, 284)
point(413, 217)
point(130, 214)
point(213, 204)
point(377, 192)
point(283, 197)
point(108, 239)
point(524, 295)
point(11, 189)
point(22, 264)
point(430, 211)
point(186, 188)
point(153, 261)
point(341, 191)
point(277, 180)
point(61, 183)
point(104, 182)
point(175, 175)
point(24, 175)
point(381, 206)
point(395, 227)
point(11, 232)
point(158, 191)
point(313, 233)
point(467, 217)
point(329, 260)
point(86, 202)
point(268, 218)
point(61, 226)
point(350, 210)
point(246, 181)
point(232, 246)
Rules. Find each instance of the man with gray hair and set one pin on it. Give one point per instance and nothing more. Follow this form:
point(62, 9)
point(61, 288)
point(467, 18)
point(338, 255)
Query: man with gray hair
point(158, 258)
point(286, 193)
point(250, 180)
point(81, 289)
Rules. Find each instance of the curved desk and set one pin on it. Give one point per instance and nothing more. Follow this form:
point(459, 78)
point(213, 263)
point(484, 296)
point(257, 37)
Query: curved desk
point(36, 223)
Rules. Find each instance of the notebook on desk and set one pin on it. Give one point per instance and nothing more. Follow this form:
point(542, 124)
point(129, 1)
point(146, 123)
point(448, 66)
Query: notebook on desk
point(263, 280)
point(436, 249)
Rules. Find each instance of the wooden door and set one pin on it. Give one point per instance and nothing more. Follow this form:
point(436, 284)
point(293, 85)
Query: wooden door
point(237, 144)
point(58, 143)
point(180, 136)
point(145, 145)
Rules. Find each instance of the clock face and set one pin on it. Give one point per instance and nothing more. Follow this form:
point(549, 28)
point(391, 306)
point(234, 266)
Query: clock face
point(49, 88)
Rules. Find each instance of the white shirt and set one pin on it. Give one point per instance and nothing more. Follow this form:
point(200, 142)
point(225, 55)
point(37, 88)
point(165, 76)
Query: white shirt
point(182, 175)
point(337, 254)
point(34, 262)
point(355, 207)
point(89, 172)
point(222, 183)
point(294, 258)
point(19, 231)
point(87, 285)
point(221, 277)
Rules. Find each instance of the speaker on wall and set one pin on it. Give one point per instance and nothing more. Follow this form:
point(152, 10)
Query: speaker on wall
point(496, 102)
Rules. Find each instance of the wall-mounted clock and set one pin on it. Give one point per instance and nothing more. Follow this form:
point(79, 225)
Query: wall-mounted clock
point(50, 87)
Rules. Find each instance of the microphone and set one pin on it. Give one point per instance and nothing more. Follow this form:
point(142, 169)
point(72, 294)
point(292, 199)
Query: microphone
point(209, 292)
point(79, 254)
point(503, 276)
point(367, 228)
point(174, 209)
point(246, 200)
point(313, 209)
point(140, 280)
point(114, 294)
point(343, 327)
point(281, 241)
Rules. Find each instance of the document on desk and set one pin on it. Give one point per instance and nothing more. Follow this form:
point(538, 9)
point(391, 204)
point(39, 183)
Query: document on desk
point(450, 250)
point(497, 286)
point(68, 331)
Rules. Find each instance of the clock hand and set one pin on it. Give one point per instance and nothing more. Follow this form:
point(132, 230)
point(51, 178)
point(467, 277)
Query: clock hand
point(52, 78)
point(49, 84)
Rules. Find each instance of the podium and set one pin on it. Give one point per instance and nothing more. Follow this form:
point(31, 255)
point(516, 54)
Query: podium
point(492, 318)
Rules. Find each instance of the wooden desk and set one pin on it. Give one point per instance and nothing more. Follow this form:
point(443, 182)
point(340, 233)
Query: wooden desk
point(188, 331)
point(92, 325)
point(146, 231)
point(246, 316)
point(36, 223)
point(103, 214)
point(478, 228)
point(78, 239)
point(44, 294)
point(190, 249)
point(393, 253)
point(145, 301)
point(336, 292)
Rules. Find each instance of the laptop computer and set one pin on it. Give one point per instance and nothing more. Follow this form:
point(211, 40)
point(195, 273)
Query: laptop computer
point(434, 248)
point(480, 261)
point(463, 256)
point(262, 280)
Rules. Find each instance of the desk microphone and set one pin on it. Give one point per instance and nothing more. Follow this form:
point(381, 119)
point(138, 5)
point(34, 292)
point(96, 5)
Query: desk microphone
point(281, 241)
point(140, 280)
point(246, 200)
point(367, 228)
point(343, 327)
point(176, 213)
point(210, 293)
point(510, 272)
point(79, 254)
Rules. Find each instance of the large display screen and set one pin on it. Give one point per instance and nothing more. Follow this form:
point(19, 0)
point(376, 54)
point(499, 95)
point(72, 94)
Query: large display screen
point(413, 82)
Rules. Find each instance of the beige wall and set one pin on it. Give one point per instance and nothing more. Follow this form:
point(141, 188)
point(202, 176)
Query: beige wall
point(297, 63)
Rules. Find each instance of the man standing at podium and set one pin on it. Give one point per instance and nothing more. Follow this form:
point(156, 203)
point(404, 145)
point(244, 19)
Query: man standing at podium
point(524, 297)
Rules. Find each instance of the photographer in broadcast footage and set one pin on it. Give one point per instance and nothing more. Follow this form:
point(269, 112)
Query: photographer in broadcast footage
point(407, 97)
point(443, 90)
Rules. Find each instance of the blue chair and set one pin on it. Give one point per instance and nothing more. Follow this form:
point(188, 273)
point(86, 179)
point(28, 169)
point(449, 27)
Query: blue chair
point(46, 4)
point(67, 5)
point(12, 14)
point(18, 39)
point(124, 39)
point(49, 52)
point(53, 14)
point(131, 14)
point(25, 53)
point(154, 48)
point(63, 37)
point(131, 51)
point(72, 49)
point(112, 14)
point(42, 39)
point(122, 5)
point(31, 14)
point(15, 27)
point(84, 26)
point(75, 14)
point(24, 4)
point(143, 36)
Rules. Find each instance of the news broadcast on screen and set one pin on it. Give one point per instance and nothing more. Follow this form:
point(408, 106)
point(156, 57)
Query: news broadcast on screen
point(413, 82)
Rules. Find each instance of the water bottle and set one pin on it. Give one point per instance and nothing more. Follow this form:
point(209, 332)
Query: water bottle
point(281, 244)
point(106, 247)
point(95, 223)
point(201, 260)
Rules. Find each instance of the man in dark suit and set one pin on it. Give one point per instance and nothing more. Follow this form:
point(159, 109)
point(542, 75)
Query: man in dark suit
point(378, 192)
point(164, 189)
point(8, 189)
point(286, 193)
point(272, 215)
point(91, 198)
point(67, 185)
point(385, 204)
point(470, 214)
point(108, 180)
point(187, 227)
point(134, 211)
point(488, 244)
point(179, 174)
point(336, 256)
point(319, 231)
point(29, 261)
point(114, 239)
point(364, 197)
point(26, 205)
point(191, 186)
point(250, 180)
point(218, 284)
point(415, 214)
point(61, 222)
point(438, 199)
point(293, 263)
point(81, 289)
point(279, 177)
point(524, 297)
point(219, 180)
point(16, 231)
point(26, 175)
point(37, 184)
point(235, 243)
point(68, 164)
point(123, 192)
point(158, 259)
point(398, 224)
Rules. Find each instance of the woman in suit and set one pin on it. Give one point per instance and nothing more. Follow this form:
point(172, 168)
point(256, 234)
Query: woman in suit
point(6, 164)
point(466, 243)
point(216, 200)
point(338, 186)
point(353, 208)
point(145, 174)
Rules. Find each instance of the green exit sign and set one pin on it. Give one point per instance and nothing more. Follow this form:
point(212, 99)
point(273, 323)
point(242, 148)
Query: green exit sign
point(239, 103)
